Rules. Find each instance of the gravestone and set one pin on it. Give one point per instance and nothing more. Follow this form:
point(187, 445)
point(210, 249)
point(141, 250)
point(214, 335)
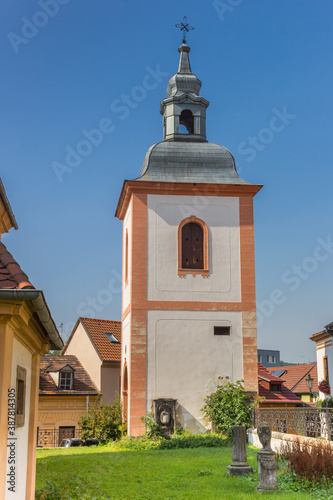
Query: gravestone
point(239, 465)
point(266, 460)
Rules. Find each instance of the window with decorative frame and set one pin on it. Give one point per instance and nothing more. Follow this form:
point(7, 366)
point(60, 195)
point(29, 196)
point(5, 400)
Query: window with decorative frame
point(193, 247)
point(325, 367)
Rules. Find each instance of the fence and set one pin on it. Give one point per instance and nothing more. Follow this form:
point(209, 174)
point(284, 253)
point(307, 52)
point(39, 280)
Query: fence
point(53, 438)
point(311, 422)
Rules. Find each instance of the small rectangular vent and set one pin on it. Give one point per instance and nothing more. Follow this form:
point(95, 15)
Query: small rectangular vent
point(221, 330)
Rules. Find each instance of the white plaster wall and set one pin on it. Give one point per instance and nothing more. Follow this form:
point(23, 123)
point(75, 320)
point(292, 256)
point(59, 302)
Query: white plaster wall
point(186, 361)
point(127, 287)
point(21, 357)
point(82, 347)
point(222, 218)
point(326, 350)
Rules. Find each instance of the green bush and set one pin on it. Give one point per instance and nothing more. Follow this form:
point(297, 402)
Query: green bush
point(152, 427)
point(185, 439)
point(228, 406)
point(103, 422)
point(325, 403)
point(188, 440)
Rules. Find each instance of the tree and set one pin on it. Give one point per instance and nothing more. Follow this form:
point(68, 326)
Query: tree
point(228, 406)
point(103, 422)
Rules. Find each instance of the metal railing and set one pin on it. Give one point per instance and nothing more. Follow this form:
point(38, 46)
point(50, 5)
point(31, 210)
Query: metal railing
point(311, 422)
point(53, 438)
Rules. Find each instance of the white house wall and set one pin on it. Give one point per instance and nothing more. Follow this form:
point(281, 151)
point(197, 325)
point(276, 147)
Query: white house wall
point(21, 357)
point(221, 216)
point(325, 349)
point(82, 347)
point(186, 361)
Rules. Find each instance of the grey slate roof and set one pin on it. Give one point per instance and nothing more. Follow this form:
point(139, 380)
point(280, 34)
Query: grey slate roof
point(201, 162)
point(184, 80)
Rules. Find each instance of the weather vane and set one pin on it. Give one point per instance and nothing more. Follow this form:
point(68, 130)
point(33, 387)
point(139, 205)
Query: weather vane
point(184, 27)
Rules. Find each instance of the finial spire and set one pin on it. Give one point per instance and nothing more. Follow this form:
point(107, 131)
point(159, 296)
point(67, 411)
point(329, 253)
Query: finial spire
point(184, 27)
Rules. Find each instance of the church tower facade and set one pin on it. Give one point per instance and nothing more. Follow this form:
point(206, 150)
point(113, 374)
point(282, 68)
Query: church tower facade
point(188, 292)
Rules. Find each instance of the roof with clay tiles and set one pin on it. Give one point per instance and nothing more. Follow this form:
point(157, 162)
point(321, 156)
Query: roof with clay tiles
point(267, 375)
point(294, 376)
point(11, 274)
point(83, 385)
point(285, 396)
point(96, 330)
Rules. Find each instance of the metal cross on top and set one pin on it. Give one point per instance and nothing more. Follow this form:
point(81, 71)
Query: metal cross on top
point(184, 27)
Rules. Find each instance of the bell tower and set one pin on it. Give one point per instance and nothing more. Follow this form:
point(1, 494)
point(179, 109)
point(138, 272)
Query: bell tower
point(184, 111)
point(188, 291)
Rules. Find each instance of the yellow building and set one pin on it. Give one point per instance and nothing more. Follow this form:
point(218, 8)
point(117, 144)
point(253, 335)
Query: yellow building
point(27, 331)
point(66, 392)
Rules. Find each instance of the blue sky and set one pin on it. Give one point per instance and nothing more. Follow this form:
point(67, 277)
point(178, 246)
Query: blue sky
point(266, 67)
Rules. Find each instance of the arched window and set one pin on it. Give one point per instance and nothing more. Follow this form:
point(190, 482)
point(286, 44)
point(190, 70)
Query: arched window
point(192, 246)
point(186, 119)
point(193, 249)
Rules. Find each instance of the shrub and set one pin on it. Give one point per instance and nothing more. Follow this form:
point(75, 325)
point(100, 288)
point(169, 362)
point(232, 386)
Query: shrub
point(326, 403)
point(188, 440)
point(185, 439)
point(310, 461)
point(103, 422)
point(228, 406)
point(152, 427)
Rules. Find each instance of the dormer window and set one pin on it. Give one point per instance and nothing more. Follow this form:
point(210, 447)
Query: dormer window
point(275, 387)
point(66, 378)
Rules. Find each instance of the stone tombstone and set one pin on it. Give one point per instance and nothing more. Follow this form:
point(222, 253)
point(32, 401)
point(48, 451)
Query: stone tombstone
point(165, 415)
point(239, 465)
point(266, 460)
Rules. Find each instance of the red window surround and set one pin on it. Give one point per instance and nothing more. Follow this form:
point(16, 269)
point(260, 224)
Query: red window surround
point(193, 247)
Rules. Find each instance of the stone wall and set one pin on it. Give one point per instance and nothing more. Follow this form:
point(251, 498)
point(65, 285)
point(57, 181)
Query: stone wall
point(279, 439)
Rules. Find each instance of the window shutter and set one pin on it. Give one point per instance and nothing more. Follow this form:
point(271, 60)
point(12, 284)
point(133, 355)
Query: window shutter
point(192, 246)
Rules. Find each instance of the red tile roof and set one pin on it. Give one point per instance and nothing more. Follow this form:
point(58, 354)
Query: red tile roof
point(264, 373)
point(96, 329)
point(7, 205)
point(83, 385)
point(56, 366)
point(294, 376)
point(284, 396)
point(11, 275)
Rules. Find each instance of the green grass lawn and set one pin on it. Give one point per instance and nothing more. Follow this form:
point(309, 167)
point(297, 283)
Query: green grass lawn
point(101, 473)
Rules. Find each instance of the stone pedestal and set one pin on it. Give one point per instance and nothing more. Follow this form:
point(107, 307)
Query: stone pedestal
point(239, 465)
point(267, 471)
point(266, 461)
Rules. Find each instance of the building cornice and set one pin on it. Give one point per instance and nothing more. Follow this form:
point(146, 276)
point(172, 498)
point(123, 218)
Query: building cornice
point(181, 188)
